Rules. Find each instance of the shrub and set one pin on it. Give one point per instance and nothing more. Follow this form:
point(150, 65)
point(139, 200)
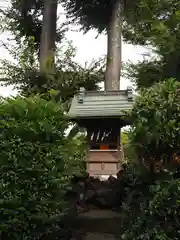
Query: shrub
point(156, 123)
point(150, 203)
point(152, 208)
point(129, 152)
point(131, 187)
point(36, 165)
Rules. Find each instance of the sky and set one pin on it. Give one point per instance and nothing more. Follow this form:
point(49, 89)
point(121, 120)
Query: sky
point(88, 48)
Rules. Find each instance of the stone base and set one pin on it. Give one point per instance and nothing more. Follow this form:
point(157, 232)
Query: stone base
point(98, 236)
point(97, 225)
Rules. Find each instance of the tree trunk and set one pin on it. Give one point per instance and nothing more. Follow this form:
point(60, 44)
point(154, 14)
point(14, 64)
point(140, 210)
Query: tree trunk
point(48, 35)
point(114, 35)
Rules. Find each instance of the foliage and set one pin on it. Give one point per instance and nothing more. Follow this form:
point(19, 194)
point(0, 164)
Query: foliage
point(24, 19)
point(150, 208)
point(156, 123)
point(146, 73)
point(124, 137)
point(140, 17)
point(37, 162)
point(146, 22)
point(150, 202)
point(154, 24)
point(149, 71)
point(151, 22)
point(90, 14)
point(129, 151)
point(66, 79)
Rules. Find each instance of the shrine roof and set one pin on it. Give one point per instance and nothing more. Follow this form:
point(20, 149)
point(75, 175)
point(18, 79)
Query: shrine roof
point(97, 104)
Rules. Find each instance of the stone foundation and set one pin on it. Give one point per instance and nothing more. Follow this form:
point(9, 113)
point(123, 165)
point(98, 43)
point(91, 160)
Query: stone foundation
point(96, 203)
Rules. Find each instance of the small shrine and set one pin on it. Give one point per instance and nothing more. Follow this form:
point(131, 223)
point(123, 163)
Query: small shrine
point(101, 113)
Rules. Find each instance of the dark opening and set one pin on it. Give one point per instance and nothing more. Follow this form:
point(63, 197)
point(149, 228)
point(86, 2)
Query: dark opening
point(104, 138)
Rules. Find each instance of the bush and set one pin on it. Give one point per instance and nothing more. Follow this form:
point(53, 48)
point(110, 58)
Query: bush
point(156, 123)
point(131, 187)
point(37, 162)
point(129, 152)
point(151, 209)
point(150, 202)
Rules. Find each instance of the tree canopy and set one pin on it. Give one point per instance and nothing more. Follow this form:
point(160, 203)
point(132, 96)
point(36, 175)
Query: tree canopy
point(66, 80)
point(147, 19)
point(90, 14)
point(67, 76)
point(24, 19)
point(156, 123)
point(159, 30)
point(150, 23)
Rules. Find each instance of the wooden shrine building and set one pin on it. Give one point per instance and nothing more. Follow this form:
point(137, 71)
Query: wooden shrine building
point(101, 113)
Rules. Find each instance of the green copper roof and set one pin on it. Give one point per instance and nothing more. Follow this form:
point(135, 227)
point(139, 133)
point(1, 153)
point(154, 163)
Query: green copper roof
point(100, 103)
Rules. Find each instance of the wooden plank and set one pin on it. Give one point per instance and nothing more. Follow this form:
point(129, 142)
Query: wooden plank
point(104, 156)
point(102, 172)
